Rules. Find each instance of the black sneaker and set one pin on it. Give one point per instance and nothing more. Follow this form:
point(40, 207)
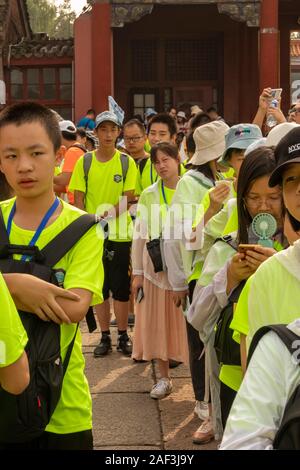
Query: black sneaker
point(173, 364)
point(124, 344)
point(104, 347)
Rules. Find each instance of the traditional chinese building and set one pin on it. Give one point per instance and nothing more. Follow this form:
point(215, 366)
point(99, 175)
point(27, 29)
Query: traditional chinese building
point(156, 53)
point(34, 66)
point(14, 24)
point(295, 68)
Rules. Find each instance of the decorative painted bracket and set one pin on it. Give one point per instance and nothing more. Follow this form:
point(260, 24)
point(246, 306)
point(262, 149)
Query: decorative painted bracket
point(122, 14)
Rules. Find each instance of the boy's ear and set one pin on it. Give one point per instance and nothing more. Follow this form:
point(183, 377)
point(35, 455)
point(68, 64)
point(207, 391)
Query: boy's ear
point(60, 154)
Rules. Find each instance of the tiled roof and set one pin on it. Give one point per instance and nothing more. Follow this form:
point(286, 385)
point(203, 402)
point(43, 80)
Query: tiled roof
point(42, 46)
point(295, 48)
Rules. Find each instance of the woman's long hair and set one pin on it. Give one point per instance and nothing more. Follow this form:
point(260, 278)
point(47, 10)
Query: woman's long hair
point(258, 163)
point(205, 170)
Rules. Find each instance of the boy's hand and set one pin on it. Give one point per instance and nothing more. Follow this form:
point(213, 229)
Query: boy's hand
point(137, 283)
point(179, 298)
point(33, 295)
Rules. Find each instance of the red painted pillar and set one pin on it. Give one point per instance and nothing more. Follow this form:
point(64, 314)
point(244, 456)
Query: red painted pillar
point(102, 56)
point(83, 65)
point(269, 45)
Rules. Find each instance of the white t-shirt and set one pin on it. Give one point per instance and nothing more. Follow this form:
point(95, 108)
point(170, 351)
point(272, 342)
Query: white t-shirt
point(258, 408)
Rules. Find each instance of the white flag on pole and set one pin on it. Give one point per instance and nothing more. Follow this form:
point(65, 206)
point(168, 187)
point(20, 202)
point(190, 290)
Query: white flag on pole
point(116, 109)
point(2, 92)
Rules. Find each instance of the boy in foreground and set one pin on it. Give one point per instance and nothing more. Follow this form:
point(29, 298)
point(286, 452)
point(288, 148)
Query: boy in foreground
point(30, 142)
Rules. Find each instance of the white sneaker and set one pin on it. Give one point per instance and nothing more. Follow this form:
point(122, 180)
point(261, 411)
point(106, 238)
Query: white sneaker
point(204, 433)
point(161, 389)
point(201, 409)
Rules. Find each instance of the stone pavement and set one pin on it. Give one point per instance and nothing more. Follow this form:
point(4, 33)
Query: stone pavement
point(124, 415)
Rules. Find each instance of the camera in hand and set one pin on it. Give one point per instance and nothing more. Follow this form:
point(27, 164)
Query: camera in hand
point(154, 248)
point(140, 295)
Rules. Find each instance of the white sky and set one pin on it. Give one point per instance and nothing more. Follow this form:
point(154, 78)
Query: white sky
point(76, 4)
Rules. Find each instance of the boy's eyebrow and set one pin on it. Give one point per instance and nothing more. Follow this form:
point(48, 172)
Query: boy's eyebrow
point(31, 147)
point(34, 146)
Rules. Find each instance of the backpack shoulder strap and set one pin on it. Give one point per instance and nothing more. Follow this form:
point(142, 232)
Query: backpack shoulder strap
point(203, 183)
point(65, 240)
point(87, 162)
point(142, 165)
point(78, 146)
point(125, 165)
point(4, 239)
point(229, 240)
point(285, 334)
point(69, 352)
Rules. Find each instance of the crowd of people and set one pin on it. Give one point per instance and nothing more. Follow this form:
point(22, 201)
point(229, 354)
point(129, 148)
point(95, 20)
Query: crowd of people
point(193, 224)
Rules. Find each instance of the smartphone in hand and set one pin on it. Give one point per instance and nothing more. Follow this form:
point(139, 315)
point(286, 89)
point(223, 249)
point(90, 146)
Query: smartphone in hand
point(140, 295)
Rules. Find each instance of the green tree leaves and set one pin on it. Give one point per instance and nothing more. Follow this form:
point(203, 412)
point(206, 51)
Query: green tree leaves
point(46, 17)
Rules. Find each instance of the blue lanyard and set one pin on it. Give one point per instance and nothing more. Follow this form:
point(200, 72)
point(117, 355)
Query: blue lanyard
point(164, 194)
point(40, 228)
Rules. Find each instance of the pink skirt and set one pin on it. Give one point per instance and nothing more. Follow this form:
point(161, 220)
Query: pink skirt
point(160, 328)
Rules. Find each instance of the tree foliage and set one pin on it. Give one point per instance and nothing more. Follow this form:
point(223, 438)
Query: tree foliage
point(46, 17)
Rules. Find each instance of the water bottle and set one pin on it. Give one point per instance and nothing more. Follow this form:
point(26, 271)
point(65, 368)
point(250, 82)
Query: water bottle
point(271, 121)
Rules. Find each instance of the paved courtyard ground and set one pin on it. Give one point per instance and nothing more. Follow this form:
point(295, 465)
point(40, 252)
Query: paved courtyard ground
point(125, 417)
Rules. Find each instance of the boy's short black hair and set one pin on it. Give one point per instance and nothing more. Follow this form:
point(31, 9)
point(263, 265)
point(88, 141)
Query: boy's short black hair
point(69, 136)
point(212, 109)
point(199, 119)
point(135, 122)
point(164, 118)
point(91, 111)
point(29, 112)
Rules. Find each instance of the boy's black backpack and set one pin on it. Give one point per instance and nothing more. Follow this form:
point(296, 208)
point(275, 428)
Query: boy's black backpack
point(288, 434)
point(25, 417)
point(228, 350)
point(142, 165)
